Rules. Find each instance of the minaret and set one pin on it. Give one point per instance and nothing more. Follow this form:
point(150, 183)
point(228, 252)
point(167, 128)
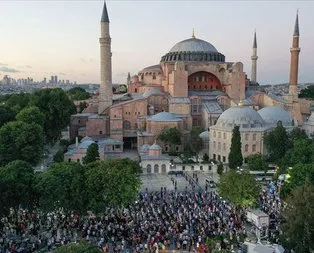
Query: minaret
point(254, 60)
point(105, 90)
point(294, 63)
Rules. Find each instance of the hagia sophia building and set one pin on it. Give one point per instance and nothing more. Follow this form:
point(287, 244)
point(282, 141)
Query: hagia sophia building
point(193, 85)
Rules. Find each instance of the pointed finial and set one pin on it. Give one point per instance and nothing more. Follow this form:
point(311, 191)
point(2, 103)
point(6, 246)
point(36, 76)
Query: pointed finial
point(254, 42)
point(296, 25)
point(193, 35)
point(104, 16)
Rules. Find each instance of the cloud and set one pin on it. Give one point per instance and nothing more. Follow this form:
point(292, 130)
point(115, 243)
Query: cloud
point(122, 74)
point(84, 60)
point(62, 74)
point(9, 70)
point(3, 64)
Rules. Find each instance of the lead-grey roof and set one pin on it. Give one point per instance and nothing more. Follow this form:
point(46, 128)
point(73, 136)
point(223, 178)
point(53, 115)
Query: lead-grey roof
point(153, 67)
point(151, 92)
point(165, 116)
point(193, 45)
point(104, 16)
point(272, 114)
point(212, 107)
point(242, 116)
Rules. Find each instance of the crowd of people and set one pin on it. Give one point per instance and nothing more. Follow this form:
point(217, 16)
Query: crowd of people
point(271, 204)
point(164, 219)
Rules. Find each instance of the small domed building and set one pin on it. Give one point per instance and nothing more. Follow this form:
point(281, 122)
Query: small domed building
point(252, 128)
point(273, 114)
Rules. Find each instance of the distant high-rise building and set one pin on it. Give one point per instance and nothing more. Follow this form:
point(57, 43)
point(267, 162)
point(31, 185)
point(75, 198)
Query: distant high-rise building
point(45, 80)
point(56, 79)
point(52, 79)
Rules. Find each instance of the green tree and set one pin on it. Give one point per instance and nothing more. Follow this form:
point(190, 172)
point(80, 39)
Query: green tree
point(298, 226)
point(195, 141)
point(111, 183)
point(220, 168)
point(235, 155)
point(171, 136)
point(257, 162)
point(18, 101)
point(31, 115)
point(297, 134)
point(277, 142)
point(16, 186)
point(6, 114)
point(205, 158)
point(82, 247)
point(78, 93)
point(21, 141)
point(63, 185)
point(82, 106)
point(301, 152)
point(240, 189)
point(92, 154)
point(308, 92)
point(58, 157)
point(57, 108)
point(297, 177)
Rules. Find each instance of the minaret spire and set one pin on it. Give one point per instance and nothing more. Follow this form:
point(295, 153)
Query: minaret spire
point(193, 34)
point(294, 63)
point(296, 25)
point(104, 16)
point(254, 60)
point(105, 89)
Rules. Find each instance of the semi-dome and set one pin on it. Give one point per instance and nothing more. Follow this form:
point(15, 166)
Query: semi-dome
point(165, 116)
point(193, 49)
point(193, 45)
point(151, 92)
point(272, 114)
point(242, 116)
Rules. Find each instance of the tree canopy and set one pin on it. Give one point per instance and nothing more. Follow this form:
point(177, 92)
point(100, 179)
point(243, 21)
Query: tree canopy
point(78, 93)
point(6, 114)
point(257, 162)
point(92, 154)
point(195, 141)
point(111, 183)
point(277, 142)
point(235, 157)
point(31, 115)
point(82, 247)
point(171, 136)
point(62, 185)
point(298, 226)
point(57, 108)
point(16, 186)
point(21, 141)
point(308, 92)
point(240, 189)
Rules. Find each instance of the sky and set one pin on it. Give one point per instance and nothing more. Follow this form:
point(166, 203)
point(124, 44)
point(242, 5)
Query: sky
point(43, 38)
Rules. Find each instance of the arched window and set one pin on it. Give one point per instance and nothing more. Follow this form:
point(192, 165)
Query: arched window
point(224, 146)
point(246, 148)
point(149, 168)
point(253, 148)
point(163, 168)
point(246, 137)
point(154, 76)
point(214, 144)
point(126, 125)
point(254, 137)
point(219, 145)
point(214, 134)
point(156, 168)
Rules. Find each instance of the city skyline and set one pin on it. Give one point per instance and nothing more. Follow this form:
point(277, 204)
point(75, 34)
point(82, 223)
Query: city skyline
point(61, 37)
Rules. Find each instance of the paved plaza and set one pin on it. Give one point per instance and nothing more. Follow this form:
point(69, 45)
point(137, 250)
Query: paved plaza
point(154, 182)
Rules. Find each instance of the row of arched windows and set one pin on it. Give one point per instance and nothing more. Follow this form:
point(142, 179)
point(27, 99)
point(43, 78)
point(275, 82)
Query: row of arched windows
point(191, 56)
point(156, 168)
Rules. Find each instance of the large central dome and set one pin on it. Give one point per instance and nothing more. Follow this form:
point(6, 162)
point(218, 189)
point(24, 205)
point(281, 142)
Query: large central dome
point(193, 50)
point(193, 45)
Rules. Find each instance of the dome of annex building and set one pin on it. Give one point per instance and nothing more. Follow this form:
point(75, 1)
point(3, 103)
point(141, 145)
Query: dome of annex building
point(242, 116)
point(204, 136)
point(272, 114)
point(193, 49)
point(151, 92)
point(155, 147)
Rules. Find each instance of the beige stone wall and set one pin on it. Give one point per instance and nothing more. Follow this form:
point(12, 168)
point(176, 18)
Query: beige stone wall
point(220, 143)
point(180, 108)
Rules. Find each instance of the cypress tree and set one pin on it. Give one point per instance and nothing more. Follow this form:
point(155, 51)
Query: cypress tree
point(235, 155)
